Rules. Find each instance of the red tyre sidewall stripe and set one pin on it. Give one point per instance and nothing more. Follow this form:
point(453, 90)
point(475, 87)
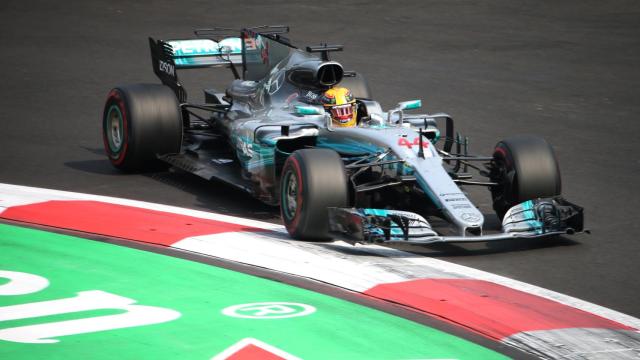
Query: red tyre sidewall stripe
point(500, 150)
point(296, 165)
point(118, 159)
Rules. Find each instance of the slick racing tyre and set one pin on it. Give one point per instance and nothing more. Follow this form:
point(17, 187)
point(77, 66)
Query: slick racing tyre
point(140, 121)
point(312, 180)
point(525, 168)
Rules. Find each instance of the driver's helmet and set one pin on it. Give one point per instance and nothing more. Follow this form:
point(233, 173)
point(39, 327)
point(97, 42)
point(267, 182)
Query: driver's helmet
point(340, 103)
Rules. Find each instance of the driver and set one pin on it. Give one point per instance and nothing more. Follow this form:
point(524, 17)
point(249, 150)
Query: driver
point(341, 105)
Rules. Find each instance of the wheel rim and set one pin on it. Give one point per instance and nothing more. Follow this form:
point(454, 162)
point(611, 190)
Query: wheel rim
point(114, 129)
point(499, 175)
point(290, 195)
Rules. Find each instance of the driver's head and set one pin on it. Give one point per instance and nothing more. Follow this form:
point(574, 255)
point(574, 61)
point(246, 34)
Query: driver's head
point(339, 102)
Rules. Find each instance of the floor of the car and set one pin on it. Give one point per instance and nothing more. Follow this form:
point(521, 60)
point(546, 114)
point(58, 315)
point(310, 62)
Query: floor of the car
point(207, 154)
point(210, 168)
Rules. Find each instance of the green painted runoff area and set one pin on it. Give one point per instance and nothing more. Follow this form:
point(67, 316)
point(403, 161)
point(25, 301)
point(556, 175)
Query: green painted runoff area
point(337, 329)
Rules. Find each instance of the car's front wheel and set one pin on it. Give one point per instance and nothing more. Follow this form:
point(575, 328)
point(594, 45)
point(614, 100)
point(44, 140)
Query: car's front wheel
point(525, 168)
point(312, 180)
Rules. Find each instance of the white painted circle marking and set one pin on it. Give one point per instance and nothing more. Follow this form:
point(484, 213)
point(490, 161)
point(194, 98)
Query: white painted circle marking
point(269, 310)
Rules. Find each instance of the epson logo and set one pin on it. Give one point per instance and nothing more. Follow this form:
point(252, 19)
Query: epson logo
point(167, 68)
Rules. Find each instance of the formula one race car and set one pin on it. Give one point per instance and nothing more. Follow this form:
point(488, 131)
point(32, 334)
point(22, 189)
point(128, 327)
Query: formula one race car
point(296, 130)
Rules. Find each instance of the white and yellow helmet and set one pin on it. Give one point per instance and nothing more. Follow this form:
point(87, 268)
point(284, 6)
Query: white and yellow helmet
point(340, 103)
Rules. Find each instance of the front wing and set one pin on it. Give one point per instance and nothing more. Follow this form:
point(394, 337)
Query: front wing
point(530, 219)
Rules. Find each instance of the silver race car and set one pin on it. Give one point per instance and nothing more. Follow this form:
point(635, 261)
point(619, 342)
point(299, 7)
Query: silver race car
point(295, 129)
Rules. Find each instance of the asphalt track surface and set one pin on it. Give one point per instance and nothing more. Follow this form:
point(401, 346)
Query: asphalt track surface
point(566, 71)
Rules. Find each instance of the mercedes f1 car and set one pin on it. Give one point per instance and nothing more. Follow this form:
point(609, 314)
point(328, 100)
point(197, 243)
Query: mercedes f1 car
point(385, 180)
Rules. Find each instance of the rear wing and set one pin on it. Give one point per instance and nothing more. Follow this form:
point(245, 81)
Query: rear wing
point(214, 47)
point(170, 55)
point(198, 53)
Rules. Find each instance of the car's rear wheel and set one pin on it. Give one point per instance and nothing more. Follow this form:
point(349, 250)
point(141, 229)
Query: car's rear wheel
point(140, 121)
point(312, 180)
point(525, 168)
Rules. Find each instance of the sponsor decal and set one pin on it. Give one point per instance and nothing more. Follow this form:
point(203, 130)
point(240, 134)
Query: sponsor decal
point(310, 95)
point(167, 68)
point(234, 44)
point(269, 310)
point(21, 283)
point(455, 199)
point(403, 141)
point(470, 217)
point(264, 53)
point(451, 194)
point(252, 41)
point(461, 206)
point(197, 47)
point(245, 146)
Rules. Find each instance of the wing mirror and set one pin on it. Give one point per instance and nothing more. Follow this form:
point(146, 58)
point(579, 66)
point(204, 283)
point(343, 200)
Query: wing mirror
point(404, 105)
point(308, 110)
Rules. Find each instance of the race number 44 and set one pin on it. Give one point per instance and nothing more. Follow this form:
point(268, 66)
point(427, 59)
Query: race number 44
point(403, 141)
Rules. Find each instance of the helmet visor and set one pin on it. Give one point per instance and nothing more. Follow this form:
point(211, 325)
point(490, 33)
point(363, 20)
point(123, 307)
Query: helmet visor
point(342, 113)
